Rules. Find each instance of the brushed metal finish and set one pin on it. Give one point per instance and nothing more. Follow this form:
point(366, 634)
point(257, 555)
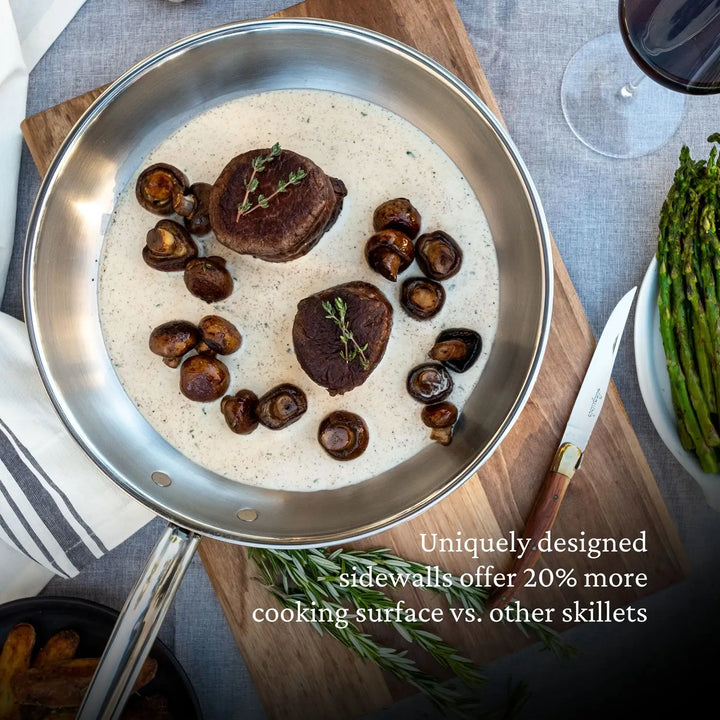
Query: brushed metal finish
point(595, 384)
point(137, 625)
point(109, 143)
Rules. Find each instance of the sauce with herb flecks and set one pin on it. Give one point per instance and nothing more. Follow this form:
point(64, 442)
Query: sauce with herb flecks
point(379, 156)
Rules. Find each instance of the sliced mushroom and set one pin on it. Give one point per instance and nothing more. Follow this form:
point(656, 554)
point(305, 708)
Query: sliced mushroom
point(397, 214)
point(389, 252)
point(429, 383)
point(168, 247)
point(198, 222)
point(343, 435)
point(438, 255)
point(208, 278)
point(173, 339)
point(281, 406)
point(156, 185)
point(422, 298)
point(203, 378)
point(440, 417)
point(218, 335)
point(457, 349)
point(240, 411)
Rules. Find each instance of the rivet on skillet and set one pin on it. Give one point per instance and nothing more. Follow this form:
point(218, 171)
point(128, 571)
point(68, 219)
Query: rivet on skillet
point(247, 514)
point(162, 479)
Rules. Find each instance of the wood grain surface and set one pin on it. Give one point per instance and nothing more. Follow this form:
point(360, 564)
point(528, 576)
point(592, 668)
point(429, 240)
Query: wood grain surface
point(301, 675)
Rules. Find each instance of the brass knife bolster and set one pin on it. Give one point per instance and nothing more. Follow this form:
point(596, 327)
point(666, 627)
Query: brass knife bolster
point(567, 459)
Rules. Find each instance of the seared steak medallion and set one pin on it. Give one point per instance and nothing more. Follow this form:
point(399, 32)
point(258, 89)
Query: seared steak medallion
point(291, 223)
point(357, 308)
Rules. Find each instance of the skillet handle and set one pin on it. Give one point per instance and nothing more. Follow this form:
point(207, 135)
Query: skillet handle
point(138, 625)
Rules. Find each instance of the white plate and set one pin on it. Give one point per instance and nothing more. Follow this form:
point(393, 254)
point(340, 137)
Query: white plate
point(655, 385)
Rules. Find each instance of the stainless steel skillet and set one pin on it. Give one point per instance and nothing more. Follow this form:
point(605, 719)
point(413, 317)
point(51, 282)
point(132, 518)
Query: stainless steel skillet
point(65, 239)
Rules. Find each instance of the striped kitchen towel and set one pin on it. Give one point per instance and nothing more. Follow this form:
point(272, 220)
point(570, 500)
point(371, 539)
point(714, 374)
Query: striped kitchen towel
point(58, 511)
point(56, 506)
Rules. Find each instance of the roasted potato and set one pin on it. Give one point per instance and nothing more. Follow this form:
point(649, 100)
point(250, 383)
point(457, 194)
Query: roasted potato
point(14, 659)
point(60, 647)
point(64, 684)
point(52, 685)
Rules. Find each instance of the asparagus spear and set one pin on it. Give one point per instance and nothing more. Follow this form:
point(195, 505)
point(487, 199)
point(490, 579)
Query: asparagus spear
point(709, 214)
point(688, 426)
point(704, 356)
point(707, 279)
point(686, 173)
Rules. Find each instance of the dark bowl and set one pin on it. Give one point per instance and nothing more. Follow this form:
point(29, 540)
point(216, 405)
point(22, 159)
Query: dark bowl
point(94, 623)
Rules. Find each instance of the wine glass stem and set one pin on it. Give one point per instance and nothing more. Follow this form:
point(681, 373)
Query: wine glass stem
point(628, 90)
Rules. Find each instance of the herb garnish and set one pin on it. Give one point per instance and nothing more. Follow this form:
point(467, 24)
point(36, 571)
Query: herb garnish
point(351, 348)
point(312, 580)
point(251, 184)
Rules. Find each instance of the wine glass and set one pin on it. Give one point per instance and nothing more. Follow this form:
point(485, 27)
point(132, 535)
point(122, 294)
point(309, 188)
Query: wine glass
point(623, 94)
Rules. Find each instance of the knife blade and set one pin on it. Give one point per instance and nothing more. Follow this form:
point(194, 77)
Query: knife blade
point(569, 454)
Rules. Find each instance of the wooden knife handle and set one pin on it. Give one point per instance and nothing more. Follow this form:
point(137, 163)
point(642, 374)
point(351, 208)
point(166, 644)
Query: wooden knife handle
point(541, 519)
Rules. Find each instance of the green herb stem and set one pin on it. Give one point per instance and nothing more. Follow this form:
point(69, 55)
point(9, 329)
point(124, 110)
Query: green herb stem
point(251, 184)
point(311, 579)
point(351, 348)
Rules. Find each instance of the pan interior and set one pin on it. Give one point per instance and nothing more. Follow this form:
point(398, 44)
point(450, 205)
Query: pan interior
point(96, 163)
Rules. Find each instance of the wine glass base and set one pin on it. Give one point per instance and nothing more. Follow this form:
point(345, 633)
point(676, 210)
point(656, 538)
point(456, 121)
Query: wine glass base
point(603, 115)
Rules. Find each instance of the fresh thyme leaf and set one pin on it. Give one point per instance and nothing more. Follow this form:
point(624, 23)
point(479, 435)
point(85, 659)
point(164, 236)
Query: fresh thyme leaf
point(351, 348)
point(258, 164)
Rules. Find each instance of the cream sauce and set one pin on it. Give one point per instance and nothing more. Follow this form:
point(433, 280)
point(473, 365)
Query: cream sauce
point(379, 156)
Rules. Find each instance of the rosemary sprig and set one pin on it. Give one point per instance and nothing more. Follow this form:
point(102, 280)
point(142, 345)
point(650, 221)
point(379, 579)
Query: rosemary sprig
point(384, 562)
point(366, 647)
point(251, 184)
point(351, 348)
point(311, 579)
point(312, 594)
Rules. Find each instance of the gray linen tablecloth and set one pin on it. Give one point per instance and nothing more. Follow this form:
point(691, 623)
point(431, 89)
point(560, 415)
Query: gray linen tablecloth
point(602, 213)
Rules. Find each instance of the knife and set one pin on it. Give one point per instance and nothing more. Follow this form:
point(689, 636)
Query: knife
point(570, 452)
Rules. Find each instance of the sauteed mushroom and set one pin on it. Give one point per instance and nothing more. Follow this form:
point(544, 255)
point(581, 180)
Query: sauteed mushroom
point(168, 246)
point(183, 202)
point(438, 255)
point(173, 339)
point(240, 411)
point(422, 298)
point(429, 383)
point(397, 214)
point(281, 406)
point(203, 378)
point(198, 222)
point(457, 348)
point(208, 278)
point(389, 252)
point(440, 417)
point(343, 435)
point(156, 185)
point(218, 335)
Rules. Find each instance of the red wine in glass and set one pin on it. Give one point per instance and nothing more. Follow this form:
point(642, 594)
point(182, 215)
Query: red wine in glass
point(675, 42)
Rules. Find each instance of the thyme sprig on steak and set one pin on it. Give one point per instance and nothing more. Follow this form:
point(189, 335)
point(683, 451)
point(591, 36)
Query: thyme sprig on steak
point(340, 334)
point(251, 184)
point(351, 348)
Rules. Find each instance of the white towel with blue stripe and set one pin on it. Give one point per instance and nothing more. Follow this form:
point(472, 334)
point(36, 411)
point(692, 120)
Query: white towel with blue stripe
point(56, 506)
point(58, 511)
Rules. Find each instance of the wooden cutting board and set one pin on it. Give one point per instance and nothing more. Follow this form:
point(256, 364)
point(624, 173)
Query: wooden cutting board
point(299, 674)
